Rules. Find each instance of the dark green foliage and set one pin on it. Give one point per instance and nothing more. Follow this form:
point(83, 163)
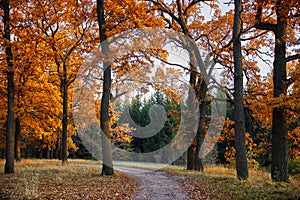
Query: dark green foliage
point(139, 112)
point(82, 152)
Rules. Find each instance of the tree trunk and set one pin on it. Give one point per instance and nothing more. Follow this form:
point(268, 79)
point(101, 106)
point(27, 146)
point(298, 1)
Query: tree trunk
point(239, 119)
point(47, 153)
point(64, 149)
point(18, 140)
point(107, 167)
point(191, 151)
point(279, 169)
point(201, 91)
point(57, 149)
point(52, 153)
point(10, 128)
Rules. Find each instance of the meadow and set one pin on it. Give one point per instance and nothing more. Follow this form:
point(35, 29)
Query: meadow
point(219, 182)
point(80, 179)
point(48, 179)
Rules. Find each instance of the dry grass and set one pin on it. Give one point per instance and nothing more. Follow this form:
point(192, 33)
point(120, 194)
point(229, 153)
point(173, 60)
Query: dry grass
point(141, 165)
point(47, 179)
point(221, 183)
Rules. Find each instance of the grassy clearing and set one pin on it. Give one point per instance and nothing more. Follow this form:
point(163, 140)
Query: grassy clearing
point(221, 183)
point(47, 179)
point(142, 165)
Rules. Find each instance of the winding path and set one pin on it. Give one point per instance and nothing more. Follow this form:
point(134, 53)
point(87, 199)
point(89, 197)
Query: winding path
point(154, 185)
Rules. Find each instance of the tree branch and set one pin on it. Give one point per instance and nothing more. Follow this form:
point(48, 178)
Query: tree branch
point(194, 2)
point(293, 57)
point(263, 25)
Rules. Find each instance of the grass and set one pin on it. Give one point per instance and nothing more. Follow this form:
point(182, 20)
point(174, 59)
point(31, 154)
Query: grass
point(143, 165)
point(48, 179)
point(221, 183)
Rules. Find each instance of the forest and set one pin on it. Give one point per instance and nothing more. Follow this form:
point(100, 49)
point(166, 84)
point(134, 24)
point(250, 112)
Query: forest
point(188, 83)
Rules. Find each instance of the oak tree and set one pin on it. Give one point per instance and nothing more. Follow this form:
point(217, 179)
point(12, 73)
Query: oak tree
point(10, 122)
point(285, 15)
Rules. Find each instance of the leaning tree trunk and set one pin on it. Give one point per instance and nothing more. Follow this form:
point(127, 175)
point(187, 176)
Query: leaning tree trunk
point(107, 167)
point(10, 128)
point(239, 119)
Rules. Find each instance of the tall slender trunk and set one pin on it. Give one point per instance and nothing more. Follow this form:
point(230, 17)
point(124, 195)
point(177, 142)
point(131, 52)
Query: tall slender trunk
point(18, 140)
point(10, 128)
point(279, 171)
point(64, 149)
point(107, 167)
point(239, 119)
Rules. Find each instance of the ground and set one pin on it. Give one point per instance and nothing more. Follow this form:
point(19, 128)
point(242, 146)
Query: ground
point(155, 185)
point(47, 179)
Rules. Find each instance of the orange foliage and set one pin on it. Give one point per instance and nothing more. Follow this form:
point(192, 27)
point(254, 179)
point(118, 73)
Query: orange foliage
point(228, 136)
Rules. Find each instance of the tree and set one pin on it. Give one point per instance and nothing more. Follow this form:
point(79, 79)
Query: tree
point(239, 119)
point(10, 124)
point(283, 21)
point(115, 17)
point(261, 102)
point(185, 17)
point(139, 112)
point(107, 167)
point(63, 26)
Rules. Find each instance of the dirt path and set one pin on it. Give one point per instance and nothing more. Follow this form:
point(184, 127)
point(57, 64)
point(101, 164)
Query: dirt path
point(154, 185)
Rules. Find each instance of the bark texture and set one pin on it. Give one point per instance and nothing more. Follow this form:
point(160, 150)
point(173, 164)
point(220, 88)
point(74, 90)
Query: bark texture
point(279, 170)
point(10, 128)
point(107, 167)
point(64, 148)
point(201, 91)
point(18, 140)
point(239, 119)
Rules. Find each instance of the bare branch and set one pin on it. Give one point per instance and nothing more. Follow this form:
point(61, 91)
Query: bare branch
point(293, 57)
point(259, 24)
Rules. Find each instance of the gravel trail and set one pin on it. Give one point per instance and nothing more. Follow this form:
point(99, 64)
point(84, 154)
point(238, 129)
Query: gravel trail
point(154, 185)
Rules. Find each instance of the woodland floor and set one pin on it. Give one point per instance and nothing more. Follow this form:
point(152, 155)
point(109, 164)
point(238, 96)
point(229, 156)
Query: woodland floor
point(47, 179)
